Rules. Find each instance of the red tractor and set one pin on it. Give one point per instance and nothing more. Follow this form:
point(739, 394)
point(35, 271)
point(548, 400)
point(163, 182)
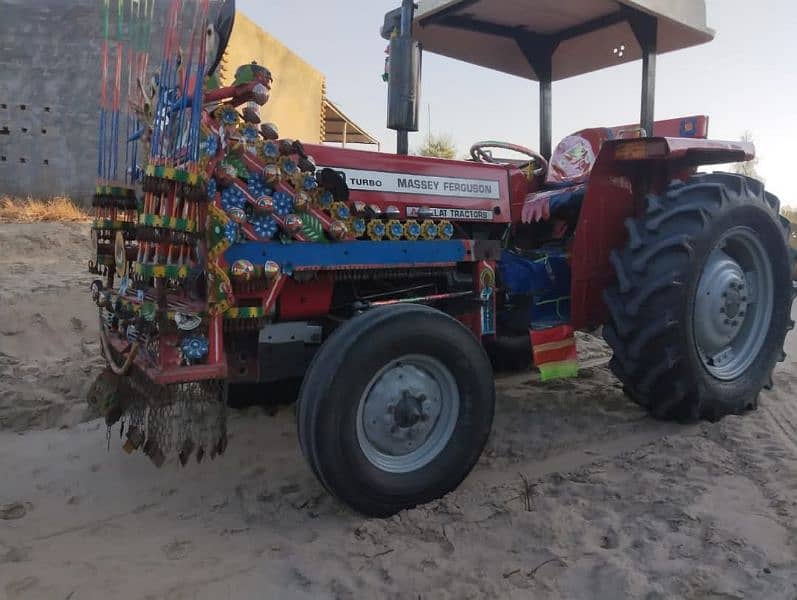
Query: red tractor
point(389, 283)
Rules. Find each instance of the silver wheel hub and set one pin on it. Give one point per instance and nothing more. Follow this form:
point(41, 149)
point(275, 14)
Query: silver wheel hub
point(407, 413)
point(721, 303)
point(733, 306)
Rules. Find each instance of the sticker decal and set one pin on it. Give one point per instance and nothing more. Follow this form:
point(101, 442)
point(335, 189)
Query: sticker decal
point(427, 185)
point(487, 297)
point(454, 214)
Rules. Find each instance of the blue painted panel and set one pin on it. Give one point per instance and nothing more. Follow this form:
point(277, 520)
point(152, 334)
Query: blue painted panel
point(304, 255)
point(688, 128)
point(546, 279)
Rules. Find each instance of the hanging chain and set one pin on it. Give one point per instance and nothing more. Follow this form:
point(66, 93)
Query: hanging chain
point(181, 406)
point(167, 432)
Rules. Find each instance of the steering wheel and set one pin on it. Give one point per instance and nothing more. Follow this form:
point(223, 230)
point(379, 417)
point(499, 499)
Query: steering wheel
point(480, 152)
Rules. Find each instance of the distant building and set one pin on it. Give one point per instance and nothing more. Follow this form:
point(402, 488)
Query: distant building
point(298, 105)
point(50, 59)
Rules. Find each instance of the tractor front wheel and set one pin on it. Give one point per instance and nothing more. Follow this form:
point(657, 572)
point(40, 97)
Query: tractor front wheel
point(396, 408)
point(703, 298)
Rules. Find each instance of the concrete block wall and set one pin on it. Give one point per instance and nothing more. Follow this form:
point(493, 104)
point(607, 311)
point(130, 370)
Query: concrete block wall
point(49, 60)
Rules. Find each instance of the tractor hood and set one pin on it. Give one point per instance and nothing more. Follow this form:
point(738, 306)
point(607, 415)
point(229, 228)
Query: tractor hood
point(588, 34)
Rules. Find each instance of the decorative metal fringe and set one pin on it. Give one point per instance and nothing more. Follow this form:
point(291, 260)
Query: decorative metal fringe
point(187, 418)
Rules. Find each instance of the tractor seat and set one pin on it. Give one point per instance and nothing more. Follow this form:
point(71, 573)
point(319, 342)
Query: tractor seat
point(574, 157)
point(572, 162)
point(566, 180)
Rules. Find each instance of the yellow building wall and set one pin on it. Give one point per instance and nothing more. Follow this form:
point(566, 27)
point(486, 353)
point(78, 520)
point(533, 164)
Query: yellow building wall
point(296, 104)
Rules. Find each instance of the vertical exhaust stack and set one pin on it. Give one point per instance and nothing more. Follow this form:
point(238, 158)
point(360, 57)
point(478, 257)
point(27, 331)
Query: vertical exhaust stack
point(404, 74)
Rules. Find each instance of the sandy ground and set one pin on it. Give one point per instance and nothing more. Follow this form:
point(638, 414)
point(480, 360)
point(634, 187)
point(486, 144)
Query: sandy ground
point(578, 495)
point(48, 331)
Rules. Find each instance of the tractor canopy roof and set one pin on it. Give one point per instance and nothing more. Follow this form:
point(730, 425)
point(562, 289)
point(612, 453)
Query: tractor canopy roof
point(583, 35)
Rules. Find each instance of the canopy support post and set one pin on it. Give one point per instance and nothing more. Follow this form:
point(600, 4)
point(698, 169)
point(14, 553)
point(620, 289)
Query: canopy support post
point(646, 31)
point(539, 52)
point(402, 142)
point(546, 117)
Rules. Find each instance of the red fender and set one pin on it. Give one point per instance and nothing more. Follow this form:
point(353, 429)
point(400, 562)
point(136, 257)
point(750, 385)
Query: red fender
point(624, 173)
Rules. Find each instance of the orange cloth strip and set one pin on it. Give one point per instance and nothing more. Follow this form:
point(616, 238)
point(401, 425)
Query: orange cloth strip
point(553, 345)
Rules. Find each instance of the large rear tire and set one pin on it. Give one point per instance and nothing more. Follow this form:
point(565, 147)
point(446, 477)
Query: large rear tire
point(703, 298)
point(396, 408)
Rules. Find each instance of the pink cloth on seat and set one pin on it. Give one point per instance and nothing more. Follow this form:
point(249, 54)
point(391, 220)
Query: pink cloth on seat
point(537, 206)
point(573, 159)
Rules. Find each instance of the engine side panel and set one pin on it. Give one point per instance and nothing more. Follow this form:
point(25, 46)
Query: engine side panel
point(455, 190)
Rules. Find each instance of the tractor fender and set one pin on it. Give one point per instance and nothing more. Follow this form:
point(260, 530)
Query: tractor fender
point(625, 172)
point(686, 152)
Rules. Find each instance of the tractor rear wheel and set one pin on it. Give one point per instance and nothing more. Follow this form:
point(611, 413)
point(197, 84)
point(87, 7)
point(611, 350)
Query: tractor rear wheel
point(396, 408)
point(703, 298)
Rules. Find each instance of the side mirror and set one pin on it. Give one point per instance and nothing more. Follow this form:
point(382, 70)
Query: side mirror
point(404, 84)
point(392, 23)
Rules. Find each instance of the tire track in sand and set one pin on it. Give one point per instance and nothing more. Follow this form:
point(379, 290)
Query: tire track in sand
point(780, 405)
point(613, 440)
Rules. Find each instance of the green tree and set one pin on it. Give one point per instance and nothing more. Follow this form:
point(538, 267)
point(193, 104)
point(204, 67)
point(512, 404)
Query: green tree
point(749, 168)
point(791, 215)
point(438, 146)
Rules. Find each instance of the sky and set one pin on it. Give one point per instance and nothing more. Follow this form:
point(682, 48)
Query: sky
point(744, 80)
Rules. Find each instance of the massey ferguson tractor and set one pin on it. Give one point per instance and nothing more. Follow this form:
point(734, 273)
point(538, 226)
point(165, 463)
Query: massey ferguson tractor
point(392, 284)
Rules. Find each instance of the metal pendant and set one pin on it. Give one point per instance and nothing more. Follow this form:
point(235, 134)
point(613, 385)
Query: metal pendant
point(221, 446)
point(120, 255)
point(185, 451)
point(135, 438)
point(155, 453)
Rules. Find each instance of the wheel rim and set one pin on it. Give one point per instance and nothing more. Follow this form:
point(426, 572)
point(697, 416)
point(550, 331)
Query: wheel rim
point(734, 304)
point(407, 414)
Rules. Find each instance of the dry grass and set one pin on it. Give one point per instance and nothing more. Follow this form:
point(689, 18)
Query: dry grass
point(30, 210)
